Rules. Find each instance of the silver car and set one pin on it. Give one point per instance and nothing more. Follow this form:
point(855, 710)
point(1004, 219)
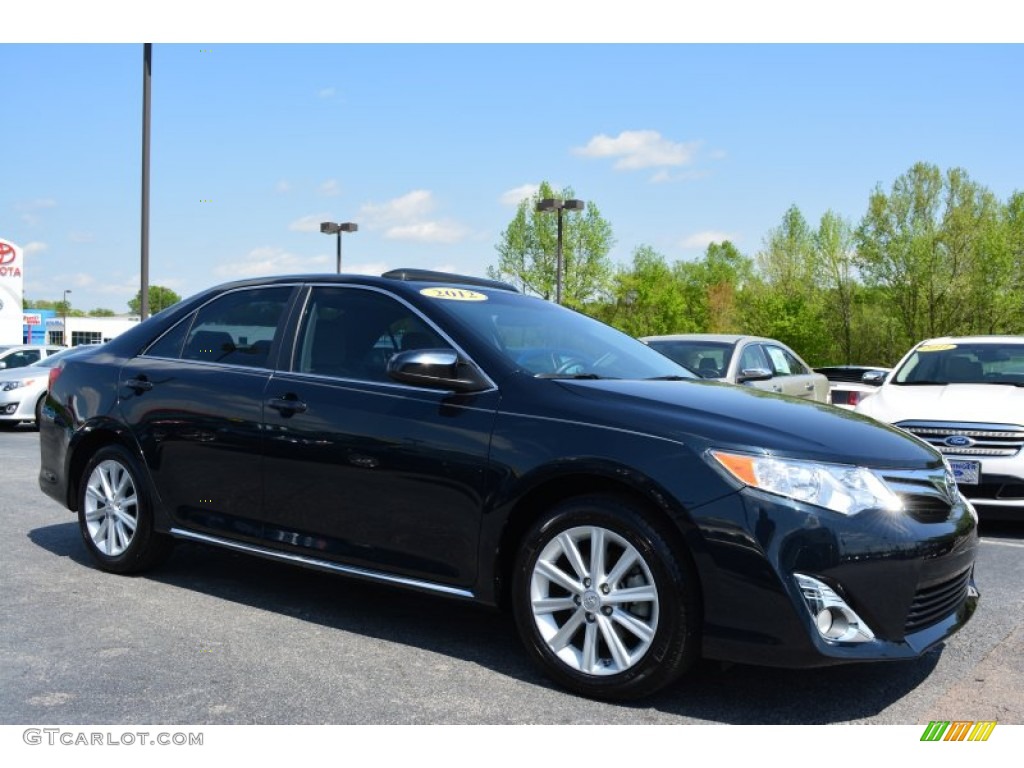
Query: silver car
point(23, 389)
point(20, 355)
point(759, 362)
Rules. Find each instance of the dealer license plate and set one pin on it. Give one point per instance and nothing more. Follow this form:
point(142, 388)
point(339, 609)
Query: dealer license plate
point(966, 472)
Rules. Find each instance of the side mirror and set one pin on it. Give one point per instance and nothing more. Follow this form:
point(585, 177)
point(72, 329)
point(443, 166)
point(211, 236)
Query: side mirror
point(438, 368)
point(874, 378)
point(753, 374)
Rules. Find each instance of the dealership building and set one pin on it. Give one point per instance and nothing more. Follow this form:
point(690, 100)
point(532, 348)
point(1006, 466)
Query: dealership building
point(86, 330)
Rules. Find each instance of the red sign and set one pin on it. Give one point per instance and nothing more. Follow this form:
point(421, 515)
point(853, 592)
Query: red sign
point(33, 319)
point(6, 254)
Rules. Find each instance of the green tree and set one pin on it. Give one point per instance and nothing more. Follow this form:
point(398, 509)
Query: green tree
point(527, 250)
point(160, 298)
point(837, 278)
point(101, 312)
point(648, 298)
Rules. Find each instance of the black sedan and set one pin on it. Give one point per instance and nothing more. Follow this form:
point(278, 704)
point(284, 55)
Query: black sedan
point(451, 435)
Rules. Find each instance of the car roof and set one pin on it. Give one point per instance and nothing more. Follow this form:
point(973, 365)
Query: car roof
point(973, 340)
point(725, 338)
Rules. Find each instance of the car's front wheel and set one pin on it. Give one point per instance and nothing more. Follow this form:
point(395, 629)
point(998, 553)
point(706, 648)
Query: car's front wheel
point(115, 514)
point(603, 602)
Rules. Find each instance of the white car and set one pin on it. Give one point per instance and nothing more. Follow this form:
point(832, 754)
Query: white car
point(759, 362)
point(965, 396)
point(20, 355)
point(23, 389)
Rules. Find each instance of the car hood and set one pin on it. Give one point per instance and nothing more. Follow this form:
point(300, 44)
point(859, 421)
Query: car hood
point(25, 372)
point(986, 403)
point(708, 414)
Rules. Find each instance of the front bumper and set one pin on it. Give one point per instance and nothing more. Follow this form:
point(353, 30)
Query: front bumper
point(911, 582)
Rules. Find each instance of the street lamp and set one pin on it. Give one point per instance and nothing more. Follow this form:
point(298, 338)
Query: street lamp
point(330, 228)
point(64, 332)
point(552, 204)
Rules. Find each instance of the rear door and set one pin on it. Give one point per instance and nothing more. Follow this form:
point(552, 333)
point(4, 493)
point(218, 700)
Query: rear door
point(194, 401)
point(792, 377)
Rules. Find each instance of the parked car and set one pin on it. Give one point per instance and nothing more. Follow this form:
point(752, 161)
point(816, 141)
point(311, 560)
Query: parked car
point(761, 363)
point(448, 434)
point(849, 384)
point(23, 389)
point(965, 396)
point(20, 355)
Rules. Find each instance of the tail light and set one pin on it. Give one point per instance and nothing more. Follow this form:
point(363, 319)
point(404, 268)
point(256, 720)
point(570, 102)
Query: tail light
point(852, 399)
point(54, 375)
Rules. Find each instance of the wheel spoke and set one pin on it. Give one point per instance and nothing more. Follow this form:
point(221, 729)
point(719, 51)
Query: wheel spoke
point(619, 653)
point(597, 552)
point(572, 553)
point(558, 576)
point(634, 625)
point(562, 637)
point(644, 594)
point(553, 605)
point(621, 568)
point(590, 641)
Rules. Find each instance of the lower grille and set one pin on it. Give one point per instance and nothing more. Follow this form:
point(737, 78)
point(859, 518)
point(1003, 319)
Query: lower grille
point(934, 603)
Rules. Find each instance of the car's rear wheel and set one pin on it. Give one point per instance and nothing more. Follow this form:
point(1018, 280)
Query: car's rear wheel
point(603, 602)
point(115, 514)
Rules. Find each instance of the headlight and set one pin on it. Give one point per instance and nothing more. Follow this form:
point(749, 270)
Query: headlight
point(9, 385)
point(840, 487)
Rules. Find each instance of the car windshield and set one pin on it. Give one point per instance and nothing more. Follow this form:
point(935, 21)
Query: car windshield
point(942, 363)
point(550, 341)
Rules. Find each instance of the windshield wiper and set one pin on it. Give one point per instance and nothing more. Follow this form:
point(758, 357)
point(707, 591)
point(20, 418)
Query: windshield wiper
point(671, 378)
point(570, 376)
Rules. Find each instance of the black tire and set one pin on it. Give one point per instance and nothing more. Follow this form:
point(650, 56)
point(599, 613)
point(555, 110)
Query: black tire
point(39, 409)
point(582, 630)
point(115, 514)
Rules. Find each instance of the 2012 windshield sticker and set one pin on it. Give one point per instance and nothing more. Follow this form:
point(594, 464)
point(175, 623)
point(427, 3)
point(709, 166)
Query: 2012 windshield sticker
point(453, 294)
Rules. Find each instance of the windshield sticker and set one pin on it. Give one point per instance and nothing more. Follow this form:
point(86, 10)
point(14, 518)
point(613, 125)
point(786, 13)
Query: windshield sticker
point(936, 347)
point(453, 294)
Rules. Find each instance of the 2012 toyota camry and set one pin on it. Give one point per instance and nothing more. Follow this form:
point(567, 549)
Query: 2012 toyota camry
point(451, 435)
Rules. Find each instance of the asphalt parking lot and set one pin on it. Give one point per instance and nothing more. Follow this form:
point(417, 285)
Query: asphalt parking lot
point(219, 638)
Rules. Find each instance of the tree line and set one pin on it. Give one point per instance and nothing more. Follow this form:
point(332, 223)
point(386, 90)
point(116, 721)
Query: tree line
point(934, 254)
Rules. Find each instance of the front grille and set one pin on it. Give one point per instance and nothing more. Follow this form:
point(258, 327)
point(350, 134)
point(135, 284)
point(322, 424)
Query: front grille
point(979, 439)
point(934, 603)
point(928, 495)
point(996, 491)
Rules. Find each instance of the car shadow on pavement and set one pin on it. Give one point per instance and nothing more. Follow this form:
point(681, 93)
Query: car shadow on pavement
point(711, 692)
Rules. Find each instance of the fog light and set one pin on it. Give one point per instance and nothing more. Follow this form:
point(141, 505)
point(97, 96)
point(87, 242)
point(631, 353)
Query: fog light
point(833, 618)
point(8, 409)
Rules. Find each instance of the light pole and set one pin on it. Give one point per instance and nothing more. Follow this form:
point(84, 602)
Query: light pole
point(553, 204)
point(330, 228)
point(64, 332)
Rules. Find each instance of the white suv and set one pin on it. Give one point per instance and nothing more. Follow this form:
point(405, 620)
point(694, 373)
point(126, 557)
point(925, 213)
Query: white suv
point(965, 396)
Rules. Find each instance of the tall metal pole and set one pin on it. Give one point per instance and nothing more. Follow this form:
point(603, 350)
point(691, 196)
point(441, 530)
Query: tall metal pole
point(558, 263)
point(147, 71)
point(339, 252)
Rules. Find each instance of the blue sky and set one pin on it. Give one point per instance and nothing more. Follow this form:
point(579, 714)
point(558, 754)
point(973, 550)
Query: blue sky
point(429, 146)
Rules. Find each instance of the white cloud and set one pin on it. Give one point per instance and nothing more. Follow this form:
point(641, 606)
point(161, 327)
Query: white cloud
point(283, 187)
point(270, 260)
point(427, 232)
point(310, 223)
point(515, 196)
point(29, 209)
point(34, 247)
point(326, 93)
point(330, 188)
point(706, 238)
point(404, 209)
point(82, 237)
point(639, 149)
